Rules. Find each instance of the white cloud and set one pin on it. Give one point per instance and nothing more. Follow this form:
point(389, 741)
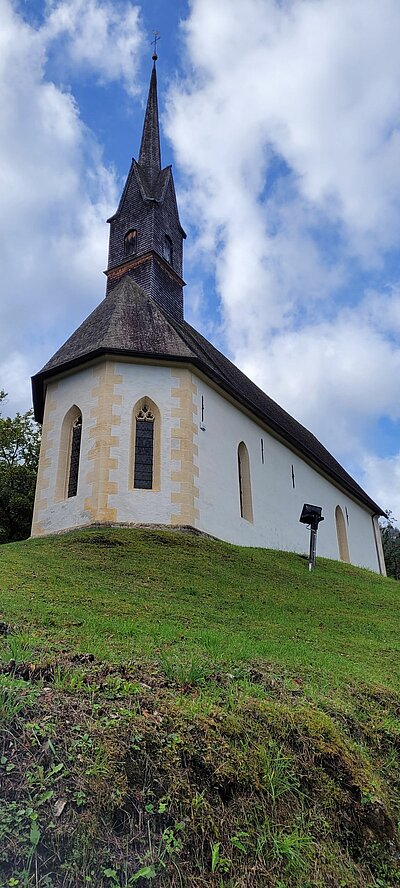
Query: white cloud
point(56, 190)
point(14, 372)
point(337, 378)
point(382, 476)
point(98, 35)
point(288, 131)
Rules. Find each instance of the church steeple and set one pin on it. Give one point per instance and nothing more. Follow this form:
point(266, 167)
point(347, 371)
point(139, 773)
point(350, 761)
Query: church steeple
point(150, 152)
point(146, 235)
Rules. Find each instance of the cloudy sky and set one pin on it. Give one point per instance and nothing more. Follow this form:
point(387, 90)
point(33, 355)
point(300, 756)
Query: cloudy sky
point(282, 121)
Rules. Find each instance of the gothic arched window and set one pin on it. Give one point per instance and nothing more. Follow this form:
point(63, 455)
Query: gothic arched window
point(341, 531)
point(167, 249)
point(130, 242)
point(246, 504)
point(145, 473)
point(75, 454)
point(69, 454)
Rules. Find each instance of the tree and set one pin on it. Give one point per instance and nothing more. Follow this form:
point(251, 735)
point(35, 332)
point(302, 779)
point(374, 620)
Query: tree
point(391, 546)
point(19, 456)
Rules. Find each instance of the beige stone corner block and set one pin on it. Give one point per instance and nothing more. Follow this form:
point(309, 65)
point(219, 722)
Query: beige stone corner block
point(46, 462)
point(101, 434)
point(107, 515)
point(184, 449)
point(38, 530)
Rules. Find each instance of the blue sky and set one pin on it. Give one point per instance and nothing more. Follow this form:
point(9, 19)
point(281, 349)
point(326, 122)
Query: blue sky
point(282, 121)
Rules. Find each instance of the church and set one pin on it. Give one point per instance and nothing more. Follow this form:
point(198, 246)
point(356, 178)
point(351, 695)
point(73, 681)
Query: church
point(145, 422)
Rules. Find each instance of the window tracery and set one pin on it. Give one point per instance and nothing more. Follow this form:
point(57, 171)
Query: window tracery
point(144, 448)
point(145, 414)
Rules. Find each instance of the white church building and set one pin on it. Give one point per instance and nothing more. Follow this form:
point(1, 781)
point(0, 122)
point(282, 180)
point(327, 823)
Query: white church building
point(145, 422)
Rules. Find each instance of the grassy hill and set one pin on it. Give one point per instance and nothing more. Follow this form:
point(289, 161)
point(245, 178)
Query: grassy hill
point(176, 711)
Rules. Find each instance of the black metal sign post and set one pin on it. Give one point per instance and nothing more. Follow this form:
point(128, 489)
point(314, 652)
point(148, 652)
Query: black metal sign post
point(311, 515)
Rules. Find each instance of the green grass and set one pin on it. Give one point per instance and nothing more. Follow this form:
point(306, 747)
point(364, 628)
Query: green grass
point(129, 593)
point(175, 711)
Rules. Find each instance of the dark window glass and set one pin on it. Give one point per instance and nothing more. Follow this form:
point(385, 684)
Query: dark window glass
point(167, 249)
point(143, 476)
point(240, 484)
point(75, 456)
point(130, 241)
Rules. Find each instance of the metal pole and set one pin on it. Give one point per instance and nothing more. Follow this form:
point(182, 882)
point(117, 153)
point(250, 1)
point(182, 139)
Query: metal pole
point(313, 547)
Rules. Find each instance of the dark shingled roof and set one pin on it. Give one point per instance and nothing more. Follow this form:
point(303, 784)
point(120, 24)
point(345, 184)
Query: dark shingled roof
point(150, 152)
point(130, 323)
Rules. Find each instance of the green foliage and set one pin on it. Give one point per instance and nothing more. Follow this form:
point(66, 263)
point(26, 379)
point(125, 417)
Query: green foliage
point(218, 862)
point(185, 671)
point(391, 547)
point(18, 646)
point(19, 455)
point(15, 697)
point(278, 772)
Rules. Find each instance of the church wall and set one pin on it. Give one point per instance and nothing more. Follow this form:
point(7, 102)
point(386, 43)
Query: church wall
point(197, 462)
point(280, 486)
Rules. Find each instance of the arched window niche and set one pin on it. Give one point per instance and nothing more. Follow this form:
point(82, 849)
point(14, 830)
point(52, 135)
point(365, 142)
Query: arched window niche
point(130, 242)
point(69, 455)
point(245, 498)
point(145, 446)
point(341, 531)
point(167, 249)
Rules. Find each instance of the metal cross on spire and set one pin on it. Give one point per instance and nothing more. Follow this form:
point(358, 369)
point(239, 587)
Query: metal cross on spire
point(154, 45)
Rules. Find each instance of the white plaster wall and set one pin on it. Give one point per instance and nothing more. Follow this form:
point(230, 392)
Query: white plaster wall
point(74, 389)
point(276, 504)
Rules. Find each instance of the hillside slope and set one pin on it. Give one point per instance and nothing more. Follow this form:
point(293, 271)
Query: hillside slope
point(178, 711)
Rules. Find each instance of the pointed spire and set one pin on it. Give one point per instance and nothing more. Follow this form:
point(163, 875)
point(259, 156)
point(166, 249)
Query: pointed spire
point(150, 153)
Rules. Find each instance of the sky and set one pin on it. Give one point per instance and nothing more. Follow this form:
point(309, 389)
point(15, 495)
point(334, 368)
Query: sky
point(282, 121)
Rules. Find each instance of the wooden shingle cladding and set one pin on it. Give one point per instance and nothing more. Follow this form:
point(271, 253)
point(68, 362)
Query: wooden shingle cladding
point(148, 206)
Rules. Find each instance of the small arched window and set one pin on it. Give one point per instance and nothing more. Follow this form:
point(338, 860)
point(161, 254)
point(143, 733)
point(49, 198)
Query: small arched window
point(130, 241)
point(75, 456)
point(341, 531)
point(245, 498)
point(145, 472)
point(167, 249)
point(69, 454)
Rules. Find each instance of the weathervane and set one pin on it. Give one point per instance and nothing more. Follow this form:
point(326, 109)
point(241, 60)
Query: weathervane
point(154, 45)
